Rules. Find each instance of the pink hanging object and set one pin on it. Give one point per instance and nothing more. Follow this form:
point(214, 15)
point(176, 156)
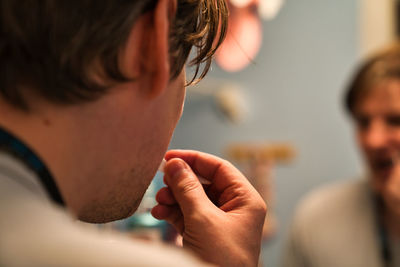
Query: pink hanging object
point(244, 36)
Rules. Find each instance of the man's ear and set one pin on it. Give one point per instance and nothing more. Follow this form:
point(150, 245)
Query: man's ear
point(155, 57)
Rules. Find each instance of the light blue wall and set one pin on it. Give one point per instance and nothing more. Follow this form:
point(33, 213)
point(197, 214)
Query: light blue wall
point(294, 91)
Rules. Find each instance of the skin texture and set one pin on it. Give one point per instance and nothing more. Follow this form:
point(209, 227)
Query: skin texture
point(377, 116)
point(222, 222)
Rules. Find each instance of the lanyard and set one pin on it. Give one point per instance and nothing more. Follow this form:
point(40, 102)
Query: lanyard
point(386, 254)
point(14, 147)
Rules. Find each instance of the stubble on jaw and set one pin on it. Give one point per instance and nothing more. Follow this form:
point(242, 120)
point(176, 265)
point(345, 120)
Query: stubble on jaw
point(119, 203)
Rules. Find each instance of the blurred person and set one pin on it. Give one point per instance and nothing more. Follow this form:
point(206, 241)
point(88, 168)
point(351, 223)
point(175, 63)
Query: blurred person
point(90, 93)
point(358, 223)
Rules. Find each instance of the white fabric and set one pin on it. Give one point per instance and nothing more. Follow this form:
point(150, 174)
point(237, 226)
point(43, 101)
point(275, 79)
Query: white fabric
point(335, 227)
point(34, 232)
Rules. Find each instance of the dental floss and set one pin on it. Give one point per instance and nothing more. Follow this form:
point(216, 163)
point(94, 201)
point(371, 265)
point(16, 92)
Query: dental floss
point(202, 180)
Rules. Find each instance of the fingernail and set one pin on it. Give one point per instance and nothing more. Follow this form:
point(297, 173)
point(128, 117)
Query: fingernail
point(175, 168)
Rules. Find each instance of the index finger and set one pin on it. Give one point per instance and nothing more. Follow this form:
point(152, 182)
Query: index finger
point(220, 172)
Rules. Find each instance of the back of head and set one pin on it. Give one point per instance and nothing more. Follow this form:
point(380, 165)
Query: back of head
point(67, 51)
point(382, 66)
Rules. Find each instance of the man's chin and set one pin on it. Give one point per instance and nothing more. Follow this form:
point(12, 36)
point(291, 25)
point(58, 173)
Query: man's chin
point(102, 215)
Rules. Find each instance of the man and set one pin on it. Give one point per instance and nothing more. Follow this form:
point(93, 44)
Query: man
point(90, 93)
point(358, 223)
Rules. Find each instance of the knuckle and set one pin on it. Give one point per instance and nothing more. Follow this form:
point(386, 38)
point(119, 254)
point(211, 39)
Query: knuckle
point(225, 162)
point(187, 187)
point(228, 164)
point(263, 207)
point(260, 207)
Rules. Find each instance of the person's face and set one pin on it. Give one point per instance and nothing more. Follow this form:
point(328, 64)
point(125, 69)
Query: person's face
point(134, 137)
point(377, 117)
point(155, 133)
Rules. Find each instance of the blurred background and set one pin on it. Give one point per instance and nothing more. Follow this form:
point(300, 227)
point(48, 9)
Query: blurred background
point(272, 102)
point(289, 94)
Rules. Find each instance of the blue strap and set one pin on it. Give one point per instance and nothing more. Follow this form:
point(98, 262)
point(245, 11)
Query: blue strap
point(386, 254)
point(13, 146)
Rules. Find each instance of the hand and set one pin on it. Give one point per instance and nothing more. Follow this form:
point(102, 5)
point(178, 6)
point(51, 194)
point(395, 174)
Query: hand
point(222, 222)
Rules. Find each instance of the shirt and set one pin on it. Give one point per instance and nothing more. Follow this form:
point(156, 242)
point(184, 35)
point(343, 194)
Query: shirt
point(335, 226)
point(34, 231)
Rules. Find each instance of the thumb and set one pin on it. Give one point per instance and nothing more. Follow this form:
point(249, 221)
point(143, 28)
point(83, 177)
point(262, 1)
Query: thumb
point(185, 186)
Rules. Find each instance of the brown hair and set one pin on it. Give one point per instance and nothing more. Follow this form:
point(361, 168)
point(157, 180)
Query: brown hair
point(383, 65)
point(50, 46)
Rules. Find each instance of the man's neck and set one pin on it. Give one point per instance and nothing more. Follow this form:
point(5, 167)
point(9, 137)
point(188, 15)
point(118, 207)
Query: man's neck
point(21, 151)
point(392, 223)
point(42, 130)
